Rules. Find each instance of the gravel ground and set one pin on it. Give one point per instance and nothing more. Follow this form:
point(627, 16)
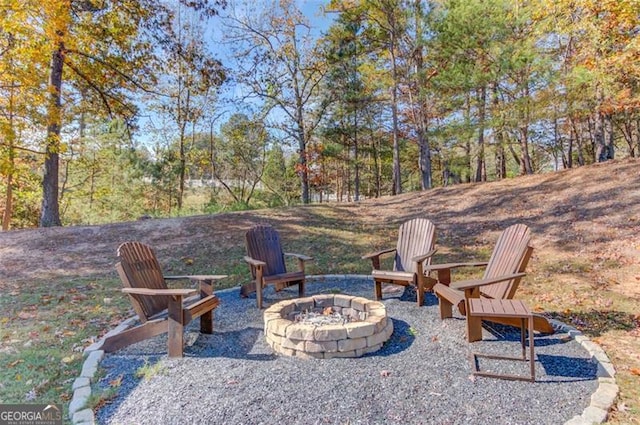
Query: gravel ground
point(422, 375)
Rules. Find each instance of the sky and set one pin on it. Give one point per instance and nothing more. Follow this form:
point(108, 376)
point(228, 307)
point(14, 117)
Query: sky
point(151, 124)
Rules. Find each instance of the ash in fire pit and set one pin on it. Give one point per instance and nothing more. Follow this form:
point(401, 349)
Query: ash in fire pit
point(326, 326)
point(328, 316)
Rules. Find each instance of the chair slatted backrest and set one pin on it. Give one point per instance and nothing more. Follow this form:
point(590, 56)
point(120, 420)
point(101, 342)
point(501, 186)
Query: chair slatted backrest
point(510, 255)
point(415, 237)
point(263, 243)
point(141, 267)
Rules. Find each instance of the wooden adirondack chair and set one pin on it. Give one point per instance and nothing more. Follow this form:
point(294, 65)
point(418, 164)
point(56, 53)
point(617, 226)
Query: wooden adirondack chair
point(159, 308)
point(266, 261)
point(413, 251)
point(504, 271)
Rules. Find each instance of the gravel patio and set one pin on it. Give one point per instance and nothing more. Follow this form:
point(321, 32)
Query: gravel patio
point(422, 375)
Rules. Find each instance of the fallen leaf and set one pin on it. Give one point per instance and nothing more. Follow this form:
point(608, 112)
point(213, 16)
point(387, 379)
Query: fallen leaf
point(67, 359)
point(635, 371)
point(385, 373)
point(15, 363)
point(25, 315)
point(114, 383)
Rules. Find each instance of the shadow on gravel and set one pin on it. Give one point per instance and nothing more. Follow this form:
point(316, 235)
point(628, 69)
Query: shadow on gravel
point(512, 334)
point(409, 294)
point(401, 339)
point(557, 367)
point(232, 344)
point(567, 367)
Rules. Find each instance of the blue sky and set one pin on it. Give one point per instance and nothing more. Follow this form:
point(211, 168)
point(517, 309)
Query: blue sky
point(312, 9)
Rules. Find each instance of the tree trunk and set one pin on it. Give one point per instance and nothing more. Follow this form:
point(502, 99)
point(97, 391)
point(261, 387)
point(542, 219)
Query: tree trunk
point(467, 139)
point(302, 170)
point(424, 160)
point(579, 142)
point(525, 158)
point(481, 171)
point(627, 130)
point(600, 151)
point(50, 213)
point(501, 160)
point(500, 154)
point(356, 159)
point(603, 132)
point(8, 205)
point(377, 168)
point(525, 165)
point(424, 149)
point(609, 138)
point(397, 175)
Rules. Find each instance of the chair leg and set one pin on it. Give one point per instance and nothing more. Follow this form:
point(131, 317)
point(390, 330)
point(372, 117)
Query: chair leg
point(474, 328)
point(531, 350)
point(420, 290)
point(176, 327)
point(206, 322)
point(301, 289)
point(378, 290)
point(259, 295)
point(446, 308)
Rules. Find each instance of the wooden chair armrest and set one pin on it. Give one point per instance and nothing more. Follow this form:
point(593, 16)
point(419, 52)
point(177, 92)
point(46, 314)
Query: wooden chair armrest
point(421, 258)
point(164, 292)
point(463, 285)
point(299, 256)
point(445, 266)
point(198, 277)
point(254, 262)
point(379, 253)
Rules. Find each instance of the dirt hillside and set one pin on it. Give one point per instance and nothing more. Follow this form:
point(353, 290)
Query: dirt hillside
point(586, 218)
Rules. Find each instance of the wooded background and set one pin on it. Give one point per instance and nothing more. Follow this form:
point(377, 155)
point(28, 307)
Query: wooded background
point(254, 106)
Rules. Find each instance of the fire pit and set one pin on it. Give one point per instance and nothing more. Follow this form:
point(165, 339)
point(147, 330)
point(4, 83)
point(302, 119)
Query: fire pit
point(327, 326)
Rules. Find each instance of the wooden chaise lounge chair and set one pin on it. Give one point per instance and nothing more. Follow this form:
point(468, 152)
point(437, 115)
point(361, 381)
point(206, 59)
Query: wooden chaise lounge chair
point(413, 252)
point(266, 261)
point(159, 308)
point(504, 271)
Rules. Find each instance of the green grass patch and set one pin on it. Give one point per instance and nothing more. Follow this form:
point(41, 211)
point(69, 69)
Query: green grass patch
point(149, 370)
point(44, 331)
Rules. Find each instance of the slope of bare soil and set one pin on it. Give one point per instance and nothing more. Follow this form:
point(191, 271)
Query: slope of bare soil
point(585, 270)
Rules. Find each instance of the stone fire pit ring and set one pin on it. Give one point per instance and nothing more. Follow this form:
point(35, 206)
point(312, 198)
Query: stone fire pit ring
point(370, 330)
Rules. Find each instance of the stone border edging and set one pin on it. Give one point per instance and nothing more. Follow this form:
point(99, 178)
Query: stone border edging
point(79, 413)
point(602, 400)
point(597, 411)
